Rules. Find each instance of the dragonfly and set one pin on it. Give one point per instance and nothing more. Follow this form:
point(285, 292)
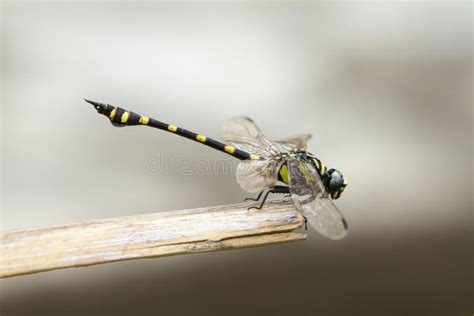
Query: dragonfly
point(279, 167)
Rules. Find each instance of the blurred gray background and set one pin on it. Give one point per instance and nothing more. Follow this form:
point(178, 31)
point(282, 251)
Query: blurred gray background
point(385, 89)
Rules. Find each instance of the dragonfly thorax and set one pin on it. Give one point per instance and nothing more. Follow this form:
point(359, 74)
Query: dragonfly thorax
point(332, 179)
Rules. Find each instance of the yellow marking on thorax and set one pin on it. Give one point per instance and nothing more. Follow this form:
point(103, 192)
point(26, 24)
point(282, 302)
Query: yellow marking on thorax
point(124, 117)
point(284, 173)
point(172, 128)
point(323, 169)
point(229, 149)
point(143, 120)
point(318, 166)
point(254, 157)
point(112, 114)
point(201, 138)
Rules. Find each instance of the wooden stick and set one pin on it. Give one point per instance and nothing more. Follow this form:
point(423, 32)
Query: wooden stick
point(32, 250)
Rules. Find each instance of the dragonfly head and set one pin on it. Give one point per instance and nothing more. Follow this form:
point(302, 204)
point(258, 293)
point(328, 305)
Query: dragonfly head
point(334, 183)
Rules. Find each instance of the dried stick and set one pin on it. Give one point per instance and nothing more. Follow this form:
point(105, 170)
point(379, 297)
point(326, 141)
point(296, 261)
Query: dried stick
point(25, 251)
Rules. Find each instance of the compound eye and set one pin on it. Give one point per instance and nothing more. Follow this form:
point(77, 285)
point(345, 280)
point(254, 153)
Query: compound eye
point(335, 182)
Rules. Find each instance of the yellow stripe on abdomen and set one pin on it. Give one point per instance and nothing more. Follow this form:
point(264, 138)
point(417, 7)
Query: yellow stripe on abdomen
point(125, 117)
point(112, 114)
point(143, 120)
point(201, 138)
point(229, 149)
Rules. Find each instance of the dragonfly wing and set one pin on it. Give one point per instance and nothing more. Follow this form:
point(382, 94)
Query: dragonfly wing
point(263, 152)
point(308, 193)
point(327, 219)
point(256, 175)
point(243, 133)
point(298, 141)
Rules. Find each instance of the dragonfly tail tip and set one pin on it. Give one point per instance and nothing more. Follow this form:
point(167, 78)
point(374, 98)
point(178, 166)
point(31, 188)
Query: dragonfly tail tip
point(100, 107)
point(91, 102)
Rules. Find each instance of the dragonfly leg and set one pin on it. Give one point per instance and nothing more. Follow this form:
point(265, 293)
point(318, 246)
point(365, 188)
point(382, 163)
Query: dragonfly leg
point(276, 189)
point(263, 201)
point(305, 223)
point(256, 199)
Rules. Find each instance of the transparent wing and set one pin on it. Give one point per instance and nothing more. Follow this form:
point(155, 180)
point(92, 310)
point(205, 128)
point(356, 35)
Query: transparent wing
point(308, 193)
point(263, 152)
point(243, 133)
point(298, 141)
point(327, 219)
point(256, 175)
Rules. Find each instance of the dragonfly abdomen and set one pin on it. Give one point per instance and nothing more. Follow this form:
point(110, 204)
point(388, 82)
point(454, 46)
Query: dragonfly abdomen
point(120, 117)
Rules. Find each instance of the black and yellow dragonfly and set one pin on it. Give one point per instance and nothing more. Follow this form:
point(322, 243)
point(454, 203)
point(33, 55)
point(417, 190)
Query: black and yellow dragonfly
point(266, 166)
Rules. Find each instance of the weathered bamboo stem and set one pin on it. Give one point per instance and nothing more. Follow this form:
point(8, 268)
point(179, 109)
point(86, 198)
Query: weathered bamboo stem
point(32, 250)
